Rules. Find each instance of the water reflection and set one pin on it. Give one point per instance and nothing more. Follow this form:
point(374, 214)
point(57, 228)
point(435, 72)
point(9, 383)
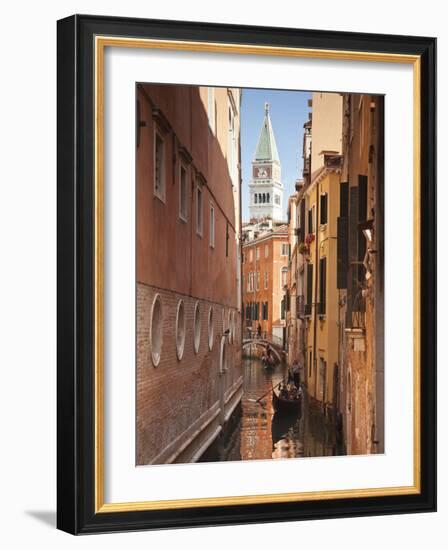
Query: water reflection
point(258, 432)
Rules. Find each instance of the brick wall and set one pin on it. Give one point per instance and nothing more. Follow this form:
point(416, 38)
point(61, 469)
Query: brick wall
point(174, 395)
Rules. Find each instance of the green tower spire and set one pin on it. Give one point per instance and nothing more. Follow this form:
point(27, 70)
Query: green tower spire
point(266, 148)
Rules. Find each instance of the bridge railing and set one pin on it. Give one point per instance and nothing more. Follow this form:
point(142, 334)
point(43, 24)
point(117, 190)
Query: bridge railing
point(263, 335)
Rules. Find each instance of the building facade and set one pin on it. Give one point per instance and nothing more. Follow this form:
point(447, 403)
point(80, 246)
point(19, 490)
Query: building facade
point(317, 211)
point(265, 270)
point(266, 188)
point(188, 268)
point(336, 269)
point(361, 274)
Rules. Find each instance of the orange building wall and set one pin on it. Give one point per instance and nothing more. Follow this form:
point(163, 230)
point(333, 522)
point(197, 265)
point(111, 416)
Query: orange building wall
point(272, 265)
point(179, 398)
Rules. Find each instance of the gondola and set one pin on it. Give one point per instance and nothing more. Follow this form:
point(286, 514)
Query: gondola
point(268, 362)
point(286, 405)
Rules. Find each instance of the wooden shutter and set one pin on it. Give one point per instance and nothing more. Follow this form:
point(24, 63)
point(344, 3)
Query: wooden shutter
point(323, 208)
point(310, 220)
point(362, 198)
point(302, 220)
point(353, 232)
point(343, 199)
point(342, 252)
point(309, 284)
point(322, 285)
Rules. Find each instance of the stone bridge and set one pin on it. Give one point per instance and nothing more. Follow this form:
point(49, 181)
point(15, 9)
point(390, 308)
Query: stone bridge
point(263, 341)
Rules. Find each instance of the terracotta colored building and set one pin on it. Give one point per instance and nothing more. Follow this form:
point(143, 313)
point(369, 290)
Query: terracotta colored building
point(265, 269)
point(188, 268)
point(361, 274)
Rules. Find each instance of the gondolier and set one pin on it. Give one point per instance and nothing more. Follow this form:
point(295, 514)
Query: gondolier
point(295, 373)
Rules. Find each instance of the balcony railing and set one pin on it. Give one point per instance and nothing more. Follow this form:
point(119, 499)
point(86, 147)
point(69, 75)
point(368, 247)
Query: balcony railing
point(321, 308)
point(300, 306)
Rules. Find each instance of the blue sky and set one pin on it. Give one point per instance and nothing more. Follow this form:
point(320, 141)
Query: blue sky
point(288, 111)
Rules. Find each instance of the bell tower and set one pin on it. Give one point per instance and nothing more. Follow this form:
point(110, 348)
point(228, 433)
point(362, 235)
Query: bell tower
point(265, 187)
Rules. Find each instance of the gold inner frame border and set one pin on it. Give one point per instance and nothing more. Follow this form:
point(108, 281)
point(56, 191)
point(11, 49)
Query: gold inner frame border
point(101, 42)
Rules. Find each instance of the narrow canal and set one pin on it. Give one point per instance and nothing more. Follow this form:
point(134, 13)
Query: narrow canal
point(258, 432)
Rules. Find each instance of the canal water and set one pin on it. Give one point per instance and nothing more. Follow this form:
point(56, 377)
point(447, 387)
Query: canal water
point(258, 432)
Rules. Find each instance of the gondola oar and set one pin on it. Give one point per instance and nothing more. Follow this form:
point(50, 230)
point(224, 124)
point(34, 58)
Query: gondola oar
point(265, 394)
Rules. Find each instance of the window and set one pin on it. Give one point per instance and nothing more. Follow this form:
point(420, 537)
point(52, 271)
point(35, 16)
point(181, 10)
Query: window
point(324, 209)
point(310, 221)
point(257, 253)
point(199, 211)
point(285, 249)
point(266, 251)
point(180, 329)
point(343, 199)
point(266, 280)
point(309, 289)
point(282, 309)
point(210, 328)
point(212, 226)
point(322, 285)
point(197, 327)
point(256, 314)
point(183, 186)
point(258, 280)
point(251, 255)
point(243, 259)
point(265, 312)
point(267, 197)
point(284, 277)
point(211, 108)
point(156, 334)
point(159, 166)
point(255, 198)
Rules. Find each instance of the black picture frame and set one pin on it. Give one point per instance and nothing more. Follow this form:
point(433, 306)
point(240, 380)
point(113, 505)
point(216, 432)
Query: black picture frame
point(76, 272)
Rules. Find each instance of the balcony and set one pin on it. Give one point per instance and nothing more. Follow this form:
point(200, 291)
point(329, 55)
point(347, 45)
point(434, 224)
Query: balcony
point(321, 308)
point(307, 310)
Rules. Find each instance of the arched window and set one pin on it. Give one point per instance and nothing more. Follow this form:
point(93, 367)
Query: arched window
point(284, 276)
point(197, 327)
point(264, 197)
point(156, 330)
point(255, 198)
point(267, 197)
point(210, 328)
point(180, 329)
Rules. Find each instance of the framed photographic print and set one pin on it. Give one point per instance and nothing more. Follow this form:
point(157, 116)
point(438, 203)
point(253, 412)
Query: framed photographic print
point(246, 274)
